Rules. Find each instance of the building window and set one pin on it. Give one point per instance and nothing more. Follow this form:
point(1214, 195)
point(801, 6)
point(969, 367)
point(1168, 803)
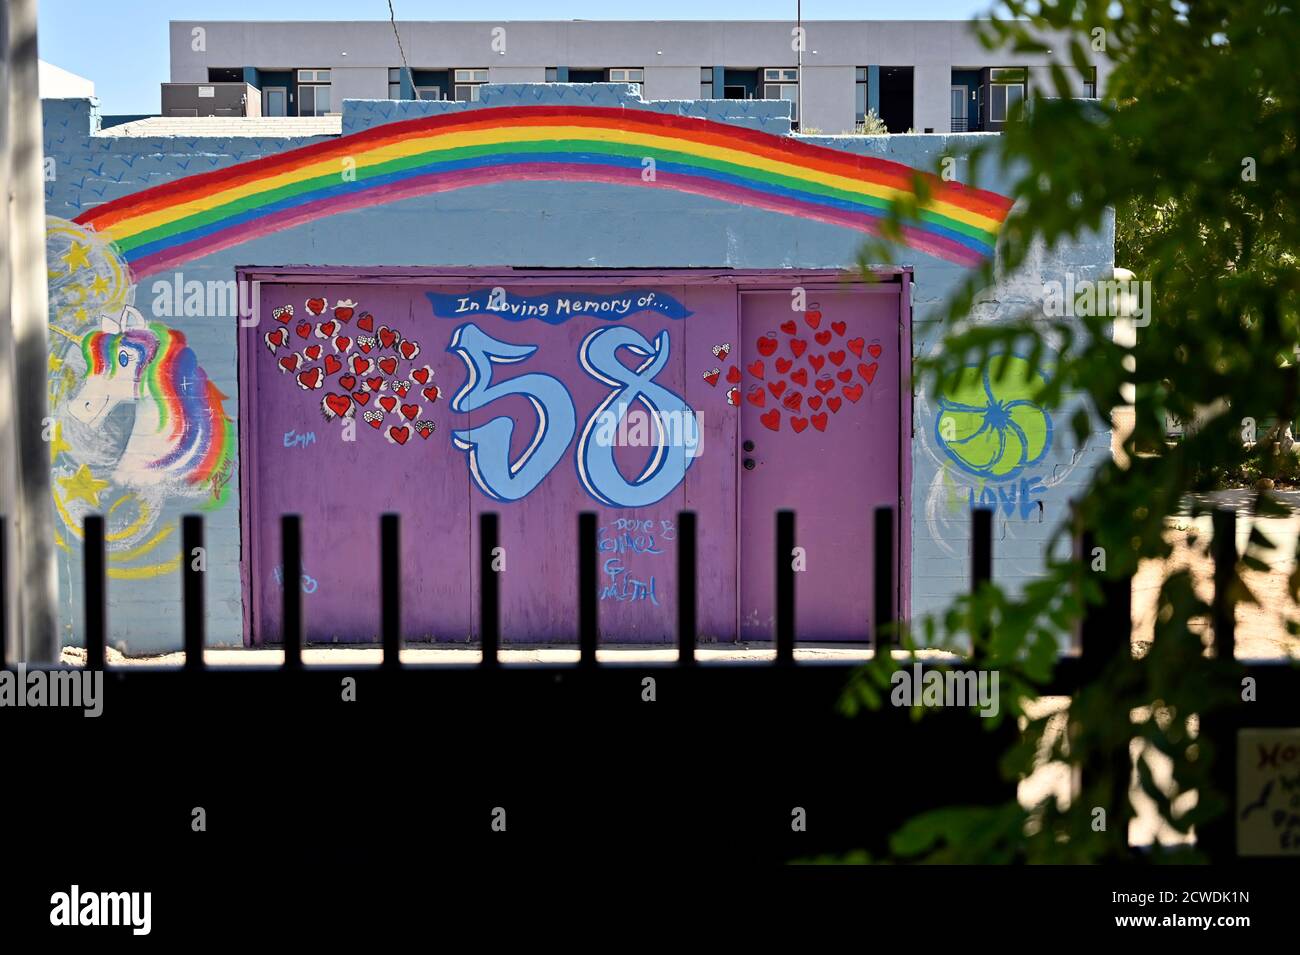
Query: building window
point(313, 92)
point(706, 82)
point(468, 83)
point(1006, 93)
point(394, 82)
point(633, 75)
point(552, 74)
point(860, 95)
point(1090, 84)
point(782, 83)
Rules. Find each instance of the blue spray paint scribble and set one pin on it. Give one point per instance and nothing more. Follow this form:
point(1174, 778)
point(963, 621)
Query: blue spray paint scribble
point(556, 308)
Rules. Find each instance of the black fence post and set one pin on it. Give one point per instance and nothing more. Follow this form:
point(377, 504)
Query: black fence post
point(883, 580)
point(489, 538)
point(390, 589)
point(981, 568)
point(1105, 637)
point(687, 603)
point(291, 569)
point(1217, 838)
point(94, 593)
point(588, 607)
point(785, 588)
point(194, 562)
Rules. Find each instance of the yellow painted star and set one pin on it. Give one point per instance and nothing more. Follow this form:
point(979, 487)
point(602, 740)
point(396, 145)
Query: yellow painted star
point(76, 257)
point(99, 286)
point(58, 444)
point(81, 315)
point(83, 485)
point(55, 362)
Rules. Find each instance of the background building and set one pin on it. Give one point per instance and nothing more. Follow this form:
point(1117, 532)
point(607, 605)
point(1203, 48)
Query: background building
point(924, 76)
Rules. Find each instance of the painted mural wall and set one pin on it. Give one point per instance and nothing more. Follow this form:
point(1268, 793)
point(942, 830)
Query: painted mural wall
point(146, 235)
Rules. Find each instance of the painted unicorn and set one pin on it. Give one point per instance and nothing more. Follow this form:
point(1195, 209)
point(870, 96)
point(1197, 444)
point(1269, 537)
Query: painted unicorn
point(182, 440)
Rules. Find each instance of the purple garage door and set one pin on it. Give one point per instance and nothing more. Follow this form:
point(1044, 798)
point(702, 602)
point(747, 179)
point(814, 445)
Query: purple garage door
point(625, 395)
point(819, 432)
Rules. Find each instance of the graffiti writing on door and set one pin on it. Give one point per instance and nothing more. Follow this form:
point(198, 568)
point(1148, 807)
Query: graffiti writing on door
point(663, 423)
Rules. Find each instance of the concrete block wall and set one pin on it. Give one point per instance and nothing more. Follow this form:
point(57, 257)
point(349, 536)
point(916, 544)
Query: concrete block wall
point(593, 225)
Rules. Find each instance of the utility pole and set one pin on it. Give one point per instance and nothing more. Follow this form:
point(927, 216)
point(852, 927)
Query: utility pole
point(798, 94)
point(24, 345)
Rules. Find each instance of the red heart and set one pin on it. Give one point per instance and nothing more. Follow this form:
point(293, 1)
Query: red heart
point(869, 371)
point(275, 339)
point(361, 397)
point(339, 404)
point(410, 412)
point(400, 435)
point(421, 375)
point(387, 337)
point(409, 349)
point(855, 346)
point(733, 374)
point(852, 392)
point(315, 305)
point(793, 401)
point(814, 402)
point(343, 313)
point(388, 365)
point(342, 343)
point(813, 319)
point(712, 377)
point(840, 328)
point(366, 322)
point(310, 379)
point(365, 346)
point(282, 315)
point(757, 396)
point(376, 423)
point(789, 327)
point(844, 375)
point(783, 365)
point(402, 387)
point(431, 393)
point(425, 431)
point(755, 368)
point(834, 404)
point(771, 420)
point(303, 329)
point(360, 365)
point(819, 421)
point(817, 361)
point(873, 350)
point(823, 385)
point(312, 352)
point(798, 424)
point(332, 365)
point(767, 345)
point(347, 381)
point(375, 383)
point(798, 346)
point(800, 377)
point(327, 329)
point(837, 357)
point(823, 337)
point(776, 388)
point(290, 362)
point(387, 402)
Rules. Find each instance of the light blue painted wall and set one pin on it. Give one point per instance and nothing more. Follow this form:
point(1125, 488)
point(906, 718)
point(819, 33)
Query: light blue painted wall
point(551, 224)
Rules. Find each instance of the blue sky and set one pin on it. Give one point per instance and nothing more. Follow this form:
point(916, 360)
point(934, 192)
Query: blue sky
point(123, 46)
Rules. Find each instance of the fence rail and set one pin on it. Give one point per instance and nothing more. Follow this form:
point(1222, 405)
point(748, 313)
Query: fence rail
point(796, 699)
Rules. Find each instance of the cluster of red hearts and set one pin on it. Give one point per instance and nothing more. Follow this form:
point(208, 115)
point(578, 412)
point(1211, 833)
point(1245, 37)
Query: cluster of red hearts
point(357, 365)
point(829, 377)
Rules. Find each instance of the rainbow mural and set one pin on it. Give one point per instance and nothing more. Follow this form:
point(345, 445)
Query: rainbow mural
point(182, 220)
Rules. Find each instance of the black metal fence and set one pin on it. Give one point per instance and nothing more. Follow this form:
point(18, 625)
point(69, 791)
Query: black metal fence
point(751, 741)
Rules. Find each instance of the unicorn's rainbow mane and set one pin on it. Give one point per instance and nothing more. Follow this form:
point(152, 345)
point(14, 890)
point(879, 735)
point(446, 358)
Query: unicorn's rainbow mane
point(188, 403)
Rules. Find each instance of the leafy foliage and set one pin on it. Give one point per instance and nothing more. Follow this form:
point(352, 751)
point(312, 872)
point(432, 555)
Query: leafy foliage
point(1194, 149)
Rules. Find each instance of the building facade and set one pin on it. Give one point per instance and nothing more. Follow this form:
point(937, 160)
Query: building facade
point(921, 76)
